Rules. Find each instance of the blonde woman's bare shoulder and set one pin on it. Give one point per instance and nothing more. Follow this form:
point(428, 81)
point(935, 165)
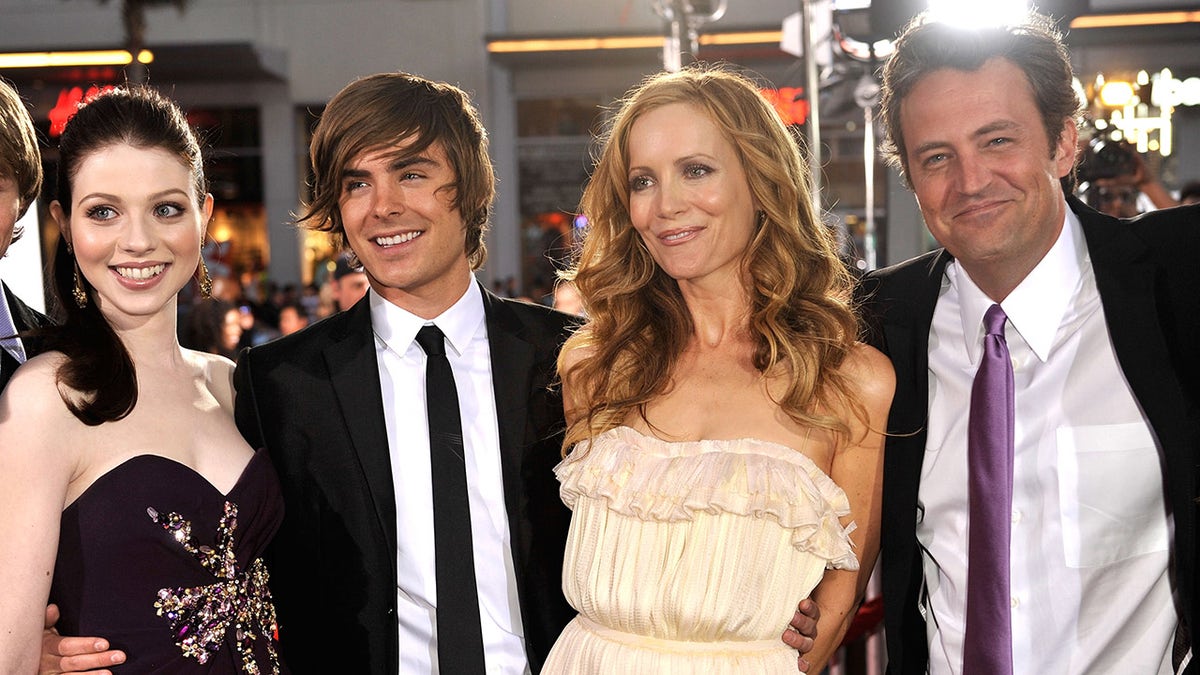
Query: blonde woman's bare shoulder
point(871, 374)
point(574, 401)
point(574, 355)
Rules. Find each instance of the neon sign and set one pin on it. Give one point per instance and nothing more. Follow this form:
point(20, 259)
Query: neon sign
point(789, 102)
point(68, 104)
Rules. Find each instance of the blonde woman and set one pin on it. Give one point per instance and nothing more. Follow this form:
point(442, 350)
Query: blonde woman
point(724, 426)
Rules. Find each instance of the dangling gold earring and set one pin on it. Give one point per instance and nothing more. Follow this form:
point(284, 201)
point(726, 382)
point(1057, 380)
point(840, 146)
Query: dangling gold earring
point(205, 280)
point(77, 290)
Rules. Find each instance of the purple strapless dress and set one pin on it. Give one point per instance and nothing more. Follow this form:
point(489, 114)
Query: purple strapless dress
point(155, 559)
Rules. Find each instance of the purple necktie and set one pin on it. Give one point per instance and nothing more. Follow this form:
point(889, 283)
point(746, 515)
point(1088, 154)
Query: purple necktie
point(987, 648)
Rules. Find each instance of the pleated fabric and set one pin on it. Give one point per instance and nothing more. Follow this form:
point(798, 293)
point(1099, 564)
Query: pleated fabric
point(690, 557)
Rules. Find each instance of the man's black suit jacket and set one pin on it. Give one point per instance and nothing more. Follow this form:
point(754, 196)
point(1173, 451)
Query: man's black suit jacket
point(24, 318)
point(313, 401)
point(1148, 275)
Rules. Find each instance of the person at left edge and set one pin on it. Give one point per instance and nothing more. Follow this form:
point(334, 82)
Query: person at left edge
point(20, 181)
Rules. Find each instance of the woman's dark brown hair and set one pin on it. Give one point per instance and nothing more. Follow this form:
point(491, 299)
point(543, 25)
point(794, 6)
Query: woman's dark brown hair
point(98, 368)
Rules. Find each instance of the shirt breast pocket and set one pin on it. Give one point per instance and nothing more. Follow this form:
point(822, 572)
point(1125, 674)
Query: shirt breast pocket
point(1110, 494)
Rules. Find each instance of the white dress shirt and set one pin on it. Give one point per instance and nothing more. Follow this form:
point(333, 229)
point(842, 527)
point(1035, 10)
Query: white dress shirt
point(1090, 529)
point(402, 375)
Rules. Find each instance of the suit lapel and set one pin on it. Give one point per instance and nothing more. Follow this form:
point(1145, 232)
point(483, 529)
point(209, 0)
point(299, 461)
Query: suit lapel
point(903, 304)
point(906, 332)
point(354, 376)
point(8, 366)
point(24, 318)
point(512, 365)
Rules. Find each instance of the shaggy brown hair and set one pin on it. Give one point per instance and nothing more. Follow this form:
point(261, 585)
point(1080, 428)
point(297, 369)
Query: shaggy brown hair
point(390, 110)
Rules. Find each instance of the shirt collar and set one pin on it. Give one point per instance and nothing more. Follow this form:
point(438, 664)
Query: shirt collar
point(397, 327)
point(1036, 307)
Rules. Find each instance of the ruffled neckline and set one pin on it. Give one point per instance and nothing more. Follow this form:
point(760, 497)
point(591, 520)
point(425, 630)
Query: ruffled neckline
point(672, 481)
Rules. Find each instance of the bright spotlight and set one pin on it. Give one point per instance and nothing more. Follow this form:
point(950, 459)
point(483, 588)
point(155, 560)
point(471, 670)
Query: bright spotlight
point(978, 15)
point(1115, 94)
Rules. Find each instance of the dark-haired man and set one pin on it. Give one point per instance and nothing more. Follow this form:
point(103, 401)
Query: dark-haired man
point(403, 180)
point(1062, 538)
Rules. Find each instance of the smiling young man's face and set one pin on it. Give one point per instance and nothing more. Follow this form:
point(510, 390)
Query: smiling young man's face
point(400, 219)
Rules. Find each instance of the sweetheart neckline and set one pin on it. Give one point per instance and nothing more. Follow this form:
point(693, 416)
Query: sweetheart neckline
point(149, 456)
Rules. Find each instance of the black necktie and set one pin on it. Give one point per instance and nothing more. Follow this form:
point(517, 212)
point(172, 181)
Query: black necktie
point(459, 637)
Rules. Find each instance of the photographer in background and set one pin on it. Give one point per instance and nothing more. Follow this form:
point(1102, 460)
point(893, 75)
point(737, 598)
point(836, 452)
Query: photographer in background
point(1113, 175)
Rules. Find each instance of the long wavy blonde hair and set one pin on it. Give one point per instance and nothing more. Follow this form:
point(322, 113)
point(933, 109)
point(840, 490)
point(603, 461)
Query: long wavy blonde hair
point(638, 324)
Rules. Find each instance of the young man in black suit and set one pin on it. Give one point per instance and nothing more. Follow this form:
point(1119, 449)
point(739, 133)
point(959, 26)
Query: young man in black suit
point(1098, 529)
point(20, 182)
point(403, 180)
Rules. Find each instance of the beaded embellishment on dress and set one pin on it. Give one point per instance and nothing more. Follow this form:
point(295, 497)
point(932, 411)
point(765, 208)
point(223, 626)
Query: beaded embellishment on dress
point(201, 616)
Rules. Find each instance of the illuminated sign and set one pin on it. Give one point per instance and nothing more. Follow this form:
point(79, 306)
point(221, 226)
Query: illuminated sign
point(68, 104)
point(1170, 92)
point(789, 102)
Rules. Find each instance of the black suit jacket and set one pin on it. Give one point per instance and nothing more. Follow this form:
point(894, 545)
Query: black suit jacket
point(313, 400)
point(1149, 282)
point(24, 318)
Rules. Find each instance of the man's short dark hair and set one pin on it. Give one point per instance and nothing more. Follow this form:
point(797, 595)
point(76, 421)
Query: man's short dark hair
point(925, 45)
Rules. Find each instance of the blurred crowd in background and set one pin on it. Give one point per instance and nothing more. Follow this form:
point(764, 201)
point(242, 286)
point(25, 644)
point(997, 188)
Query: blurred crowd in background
point(249, 310)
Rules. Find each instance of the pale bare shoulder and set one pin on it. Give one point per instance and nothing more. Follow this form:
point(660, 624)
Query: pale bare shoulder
point(218, 375)
point(40, 452)
point(33, 402)
point(871, 376)
point(570, 358)
point(33, 393)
